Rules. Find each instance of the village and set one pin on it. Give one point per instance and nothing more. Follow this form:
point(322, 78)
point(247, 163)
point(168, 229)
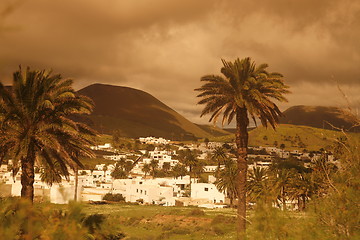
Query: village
point(128, 176)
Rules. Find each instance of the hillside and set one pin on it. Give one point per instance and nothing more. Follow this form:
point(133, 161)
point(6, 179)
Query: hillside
point(292, 136)
point(213, 130)
point(135, 113)
point(319, 117)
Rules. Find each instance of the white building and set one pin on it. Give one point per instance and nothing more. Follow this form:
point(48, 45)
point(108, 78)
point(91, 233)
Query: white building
point(154, 140)
point(207, 191)
point(115, 157)
point(105, 147)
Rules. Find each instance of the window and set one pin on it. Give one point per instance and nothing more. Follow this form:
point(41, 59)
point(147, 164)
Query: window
point(206, 189)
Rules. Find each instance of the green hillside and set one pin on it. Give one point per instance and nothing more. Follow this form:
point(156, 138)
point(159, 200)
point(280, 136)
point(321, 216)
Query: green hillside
point(293, 136)
point(213, 130)
point(135, 113)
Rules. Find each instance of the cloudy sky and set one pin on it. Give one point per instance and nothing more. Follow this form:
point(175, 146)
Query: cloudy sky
point(164, 46)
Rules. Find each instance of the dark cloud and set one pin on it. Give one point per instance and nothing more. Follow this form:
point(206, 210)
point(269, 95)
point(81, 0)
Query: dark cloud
point(164, 47)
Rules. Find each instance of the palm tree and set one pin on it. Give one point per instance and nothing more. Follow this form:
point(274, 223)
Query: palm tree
point(36, 128)
point(219, 154)
point(146, 169)
point(50, 175)
point(154, 165)
point(166, 167)
point(226, 180)
point(189, 159)
point(179, 170)
point(244, 89)
point(283, 179)
point(258, 185)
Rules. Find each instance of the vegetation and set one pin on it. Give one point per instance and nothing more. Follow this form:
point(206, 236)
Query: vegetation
point(114, 197)
point(226, 180)
point(19, 219)
point(245, 89)
point(36, 128)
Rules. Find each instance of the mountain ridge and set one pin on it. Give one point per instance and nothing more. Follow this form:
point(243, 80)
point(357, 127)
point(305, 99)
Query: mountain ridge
point(326, 117)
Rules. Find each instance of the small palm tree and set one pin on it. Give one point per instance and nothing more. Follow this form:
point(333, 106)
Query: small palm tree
point(226, 181)
point(282, 179)
point(166, 167)
point(179, 170)
point(258, 184)
point(154, 165)
point(146, 169)
point(189, 159)
point(36, 128)
point(245, 90)
point(219, 154)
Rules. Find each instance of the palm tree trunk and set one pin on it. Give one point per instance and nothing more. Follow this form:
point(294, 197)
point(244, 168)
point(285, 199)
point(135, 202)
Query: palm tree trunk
point(76, 184)
point(28, 175)
point(283, 197)
point(303, 202)
point(241, 138)
point(190, 179)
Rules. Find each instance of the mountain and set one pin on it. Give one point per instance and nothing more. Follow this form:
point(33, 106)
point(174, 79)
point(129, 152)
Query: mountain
point(319, 117)
point(135, 113)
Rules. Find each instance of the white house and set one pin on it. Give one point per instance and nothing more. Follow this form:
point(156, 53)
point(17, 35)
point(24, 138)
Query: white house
point(153, 140)
point(115, 157)
point(145, 191)
point(207, 191)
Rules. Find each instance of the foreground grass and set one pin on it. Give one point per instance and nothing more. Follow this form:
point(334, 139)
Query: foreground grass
point(156, 222)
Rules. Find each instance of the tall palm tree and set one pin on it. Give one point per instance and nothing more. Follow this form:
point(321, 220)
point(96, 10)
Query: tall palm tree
point(36, 128)
point(244, 90)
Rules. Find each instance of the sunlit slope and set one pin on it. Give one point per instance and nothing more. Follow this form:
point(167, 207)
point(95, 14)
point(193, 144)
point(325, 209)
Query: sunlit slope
point(292, 136)
point(136, 113)
point(213, 130)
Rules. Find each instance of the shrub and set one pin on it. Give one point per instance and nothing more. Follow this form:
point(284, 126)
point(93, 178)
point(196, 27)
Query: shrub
point(180, 231)
point(218, 230)
point(197, 212)
point(133, 221)
point(114, 197)
point(220, 219)
point(19, 219)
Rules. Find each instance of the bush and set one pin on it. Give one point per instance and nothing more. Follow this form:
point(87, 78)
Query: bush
point(218, 230)
point(197, 212)
point(19, 219)
point(114, 197)
point(180, 231)
point(221, 219)
point(133, 221)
